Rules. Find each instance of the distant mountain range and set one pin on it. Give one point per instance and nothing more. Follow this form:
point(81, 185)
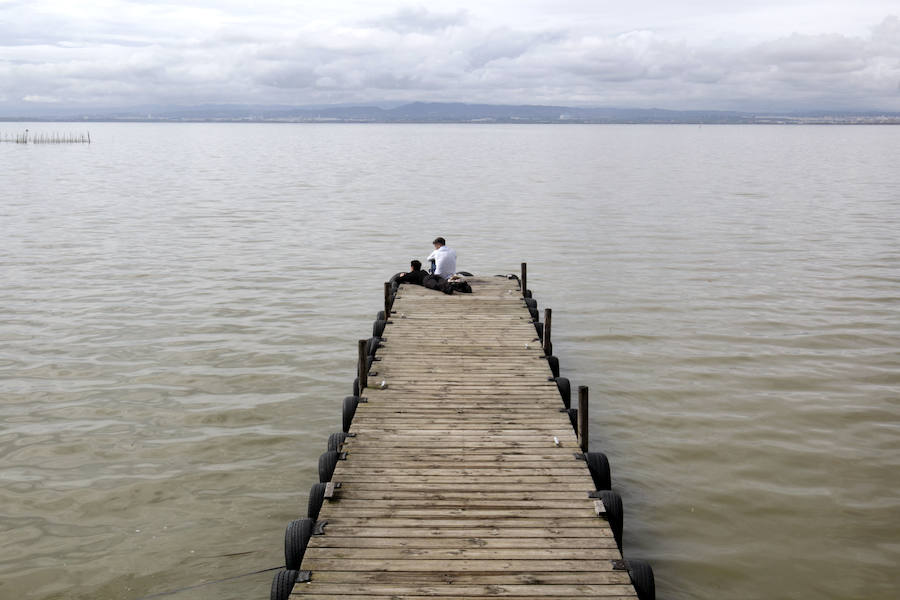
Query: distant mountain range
point(438, 112)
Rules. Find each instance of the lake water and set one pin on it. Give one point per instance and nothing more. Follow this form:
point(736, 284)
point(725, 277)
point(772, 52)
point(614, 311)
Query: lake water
point(181, 302)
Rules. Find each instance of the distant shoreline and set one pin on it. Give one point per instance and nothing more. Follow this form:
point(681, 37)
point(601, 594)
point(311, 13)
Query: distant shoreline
point(444, 112)
point(888, 120)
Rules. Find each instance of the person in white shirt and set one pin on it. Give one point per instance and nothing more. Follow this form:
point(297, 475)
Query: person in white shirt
point(443, 259)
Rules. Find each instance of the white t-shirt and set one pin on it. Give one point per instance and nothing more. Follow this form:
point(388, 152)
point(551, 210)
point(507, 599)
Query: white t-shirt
point(444, 261)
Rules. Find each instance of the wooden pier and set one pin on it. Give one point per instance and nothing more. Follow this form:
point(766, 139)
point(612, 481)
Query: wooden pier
point(459, 473)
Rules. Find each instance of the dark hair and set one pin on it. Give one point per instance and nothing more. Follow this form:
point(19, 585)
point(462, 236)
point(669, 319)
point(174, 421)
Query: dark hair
point(416, 265)
point(440, 241)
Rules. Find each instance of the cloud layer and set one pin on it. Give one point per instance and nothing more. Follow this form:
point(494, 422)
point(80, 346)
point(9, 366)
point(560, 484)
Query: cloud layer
point(116, 53)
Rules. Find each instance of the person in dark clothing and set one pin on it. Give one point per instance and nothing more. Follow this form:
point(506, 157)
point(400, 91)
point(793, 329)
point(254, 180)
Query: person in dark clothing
point(415, 276)
point(436, 282)
point(448, 286)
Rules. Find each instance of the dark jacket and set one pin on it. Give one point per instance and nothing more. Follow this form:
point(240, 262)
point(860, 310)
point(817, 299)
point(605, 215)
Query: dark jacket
point(413, 277)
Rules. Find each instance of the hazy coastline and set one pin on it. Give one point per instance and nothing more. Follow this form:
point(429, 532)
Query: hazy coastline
point(443, 112)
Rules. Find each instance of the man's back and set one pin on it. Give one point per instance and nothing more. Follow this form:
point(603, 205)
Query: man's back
point(444, 261)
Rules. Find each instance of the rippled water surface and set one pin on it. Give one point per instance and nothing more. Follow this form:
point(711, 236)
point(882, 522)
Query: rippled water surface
point(181, 303)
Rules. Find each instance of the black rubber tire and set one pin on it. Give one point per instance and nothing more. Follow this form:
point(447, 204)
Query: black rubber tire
point(394, 287)
point(534, 314)
point(539, 328)
point(573, 419)
point(642, 579)
point(378, 328)
point(283, 584)
point(565, 391)
point(316, 498)
point(615, 514)
point(465, 274)
point(380, 316)
point(335, 440)
point(531, 303)
point(296, 537)
point(356, 387)
point(599, 467)
point(554, 365)
point(348, 410)
point(327, 463)
point(527, 294)
point(372, 345)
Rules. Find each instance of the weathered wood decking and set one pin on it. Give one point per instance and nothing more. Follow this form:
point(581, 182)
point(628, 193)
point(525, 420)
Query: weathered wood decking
point(454, 485)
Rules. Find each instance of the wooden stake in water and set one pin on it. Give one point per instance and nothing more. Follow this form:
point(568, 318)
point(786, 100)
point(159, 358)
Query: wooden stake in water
point(524, 277)
point(548, 347)
point(583, 427)
point(30, 137)
point(363, 366)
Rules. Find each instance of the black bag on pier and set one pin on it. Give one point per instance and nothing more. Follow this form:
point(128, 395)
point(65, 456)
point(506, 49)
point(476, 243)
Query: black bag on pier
point(434, 282)
point(461, 286)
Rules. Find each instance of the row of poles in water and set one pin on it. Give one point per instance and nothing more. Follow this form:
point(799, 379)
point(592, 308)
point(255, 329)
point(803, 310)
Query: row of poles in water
point(29, 137)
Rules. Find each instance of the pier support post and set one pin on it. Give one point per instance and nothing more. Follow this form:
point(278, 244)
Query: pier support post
point(387, 300)
point(524, 277)
point(548, 347)
point(363, 367)
point(583, 427)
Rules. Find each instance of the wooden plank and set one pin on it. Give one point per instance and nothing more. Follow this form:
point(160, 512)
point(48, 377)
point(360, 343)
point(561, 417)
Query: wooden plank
point(463, 473)
point(539, 439)
point(463, 462)
point(443, 565)
point(492, 481)
point(378, 491)
point(366, 452)
point(332, 515)
point(377, 414)
point(448, 498)
point(488, 439)
point(510, 535)
point(543, 577)
point(470, 423)
point(498, 432)
point(316, 552)
point(307, 592)
point(468, 512)
point(468, 591)
point(544, 542)
point(454, 485)
point(477, 404)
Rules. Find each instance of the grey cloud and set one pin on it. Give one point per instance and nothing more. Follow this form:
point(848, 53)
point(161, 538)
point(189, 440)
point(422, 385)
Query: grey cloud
point(415, 54)
point(507, 44)
point(829, 70)
point(285, 75)
point(814, 54)
point(886, 35)
point(420, 20)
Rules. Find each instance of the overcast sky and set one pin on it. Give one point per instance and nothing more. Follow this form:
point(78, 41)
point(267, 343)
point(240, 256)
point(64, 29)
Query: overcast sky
point(692, 54)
